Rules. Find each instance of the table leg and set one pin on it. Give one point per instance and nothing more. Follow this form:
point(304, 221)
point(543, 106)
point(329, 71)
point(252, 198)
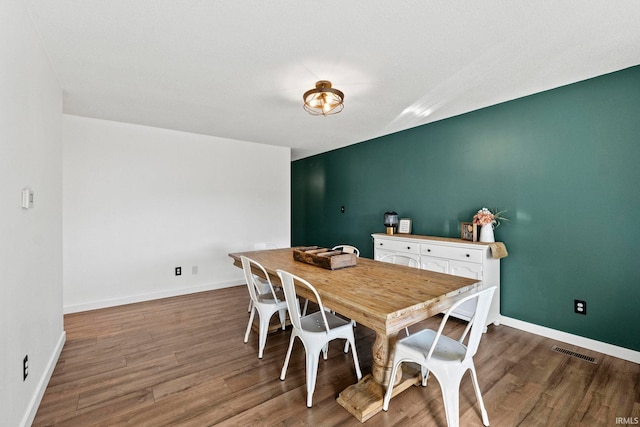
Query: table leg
point(364, 399)
point(383, 358)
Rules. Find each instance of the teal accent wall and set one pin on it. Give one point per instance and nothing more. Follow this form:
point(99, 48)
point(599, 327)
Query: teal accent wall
point(564, 163)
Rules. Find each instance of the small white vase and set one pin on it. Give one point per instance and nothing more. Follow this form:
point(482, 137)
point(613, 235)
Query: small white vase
point(486, 233)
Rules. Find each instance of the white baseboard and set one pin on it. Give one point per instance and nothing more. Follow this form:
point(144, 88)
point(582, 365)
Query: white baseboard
point(32, 409)
point(94, 305)
point(599, 346)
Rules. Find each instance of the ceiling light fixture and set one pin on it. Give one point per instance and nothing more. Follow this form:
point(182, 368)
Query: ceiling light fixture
point(323, 100)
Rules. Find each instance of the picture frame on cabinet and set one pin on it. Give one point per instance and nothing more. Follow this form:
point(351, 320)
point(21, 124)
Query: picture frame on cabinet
point(404, 226)
point(469, 231)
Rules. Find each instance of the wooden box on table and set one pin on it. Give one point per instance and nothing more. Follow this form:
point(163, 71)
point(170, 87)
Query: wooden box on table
point(323, 257)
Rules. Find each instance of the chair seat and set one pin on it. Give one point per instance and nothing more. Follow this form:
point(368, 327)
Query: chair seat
point(268, 298)
point(417, 347)
point(314, 322)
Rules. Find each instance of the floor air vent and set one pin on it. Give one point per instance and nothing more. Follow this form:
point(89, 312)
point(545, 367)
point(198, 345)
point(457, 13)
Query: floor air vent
point(574, 354)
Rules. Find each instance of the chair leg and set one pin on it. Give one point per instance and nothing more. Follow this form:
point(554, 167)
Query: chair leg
point(304, 310)
point(450, 386)
point(476, 386)
point(346, 344)
point(283, 318)
point(425, 374)
point(356, 362)
point(283, 373)
point(262, 333)
point(387, 395)
point(312, 372)
point(246, 334)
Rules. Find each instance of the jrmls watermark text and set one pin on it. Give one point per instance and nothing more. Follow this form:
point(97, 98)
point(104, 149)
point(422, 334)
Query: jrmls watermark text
point(627, 420)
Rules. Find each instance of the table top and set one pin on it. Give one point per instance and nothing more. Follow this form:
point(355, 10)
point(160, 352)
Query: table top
point(382, 296)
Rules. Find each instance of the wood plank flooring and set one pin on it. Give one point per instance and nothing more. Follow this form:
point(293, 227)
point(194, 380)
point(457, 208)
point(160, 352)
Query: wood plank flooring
point(182, 362)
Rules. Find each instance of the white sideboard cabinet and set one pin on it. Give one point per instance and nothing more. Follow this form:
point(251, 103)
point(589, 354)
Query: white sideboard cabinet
point(451, 256)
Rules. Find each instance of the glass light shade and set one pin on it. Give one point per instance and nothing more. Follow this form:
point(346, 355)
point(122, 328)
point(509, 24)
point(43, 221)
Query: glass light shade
point(323, 100)
point(390, 219)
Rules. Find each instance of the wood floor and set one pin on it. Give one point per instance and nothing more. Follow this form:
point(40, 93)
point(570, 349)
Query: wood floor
point(182, 362)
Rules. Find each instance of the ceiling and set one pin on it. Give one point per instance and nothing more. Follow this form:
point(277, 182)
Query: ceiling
point(238, 69)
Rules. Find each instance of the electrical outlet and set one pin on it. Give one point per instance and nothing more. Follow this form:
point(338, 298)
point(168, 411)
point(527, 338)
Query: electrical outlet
point(579, 306)
point(25, 367)
point(178, 271)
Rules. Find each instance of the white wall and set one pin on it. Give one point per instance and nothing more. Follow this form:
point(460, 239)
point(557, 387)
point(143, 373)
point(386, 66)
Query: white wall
point(139, 201)
point(30, 240)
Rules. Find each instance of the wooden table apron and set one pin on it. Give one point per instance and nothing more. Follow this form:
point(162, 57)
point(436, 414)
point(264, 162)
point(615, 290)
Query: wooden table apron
point(381, 296)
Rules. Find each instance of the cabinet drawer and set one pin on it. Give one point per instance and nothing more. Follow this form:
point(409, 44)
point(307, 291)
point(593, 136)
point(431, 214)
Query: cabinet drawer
point(460, 254)
point(397, 246)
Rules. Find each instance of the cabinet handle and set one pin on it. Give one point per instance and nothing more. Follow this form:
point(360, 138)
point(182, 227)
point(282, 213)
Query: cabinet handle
point(428, 250)
point(408, 247)
point(467, 255)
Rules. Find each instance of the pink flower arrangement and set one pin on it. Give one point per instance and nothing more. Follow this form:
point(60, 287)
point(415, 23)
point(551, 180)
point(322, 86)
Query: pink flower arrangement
point(485, 216)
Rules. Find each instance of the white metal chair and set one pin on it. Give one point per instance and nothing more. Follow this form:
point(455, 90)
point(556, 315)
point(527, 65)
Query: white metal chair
point(348, 249)
point(399, 259)
point(447, 358)
point(264, 286)
point(315, 330)
point(266, 304)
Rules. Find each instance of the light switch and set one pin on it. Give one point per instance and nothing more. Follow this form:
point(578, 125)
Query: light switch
point(27, 198)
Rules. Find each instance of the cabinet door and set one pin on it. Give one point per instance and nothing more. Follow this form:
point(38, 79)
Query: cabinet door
point(379, 253)
point(434, 264)
point(472, 271)
point(466, 269)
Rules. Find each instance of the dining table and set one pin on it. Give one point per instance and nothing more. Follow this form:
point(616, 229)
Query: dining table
point(378, 295)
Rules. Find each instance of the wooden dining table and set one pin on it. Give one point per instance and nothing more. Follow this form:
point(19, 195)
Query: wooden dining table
point(381, 296)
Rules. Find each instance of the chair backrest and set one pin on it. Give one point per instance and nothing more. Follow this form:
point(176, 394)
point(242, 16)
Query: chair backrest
point(252, 284)
point(399, 259)
point(348, 249)
point(475, 327)
point(289, 285)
